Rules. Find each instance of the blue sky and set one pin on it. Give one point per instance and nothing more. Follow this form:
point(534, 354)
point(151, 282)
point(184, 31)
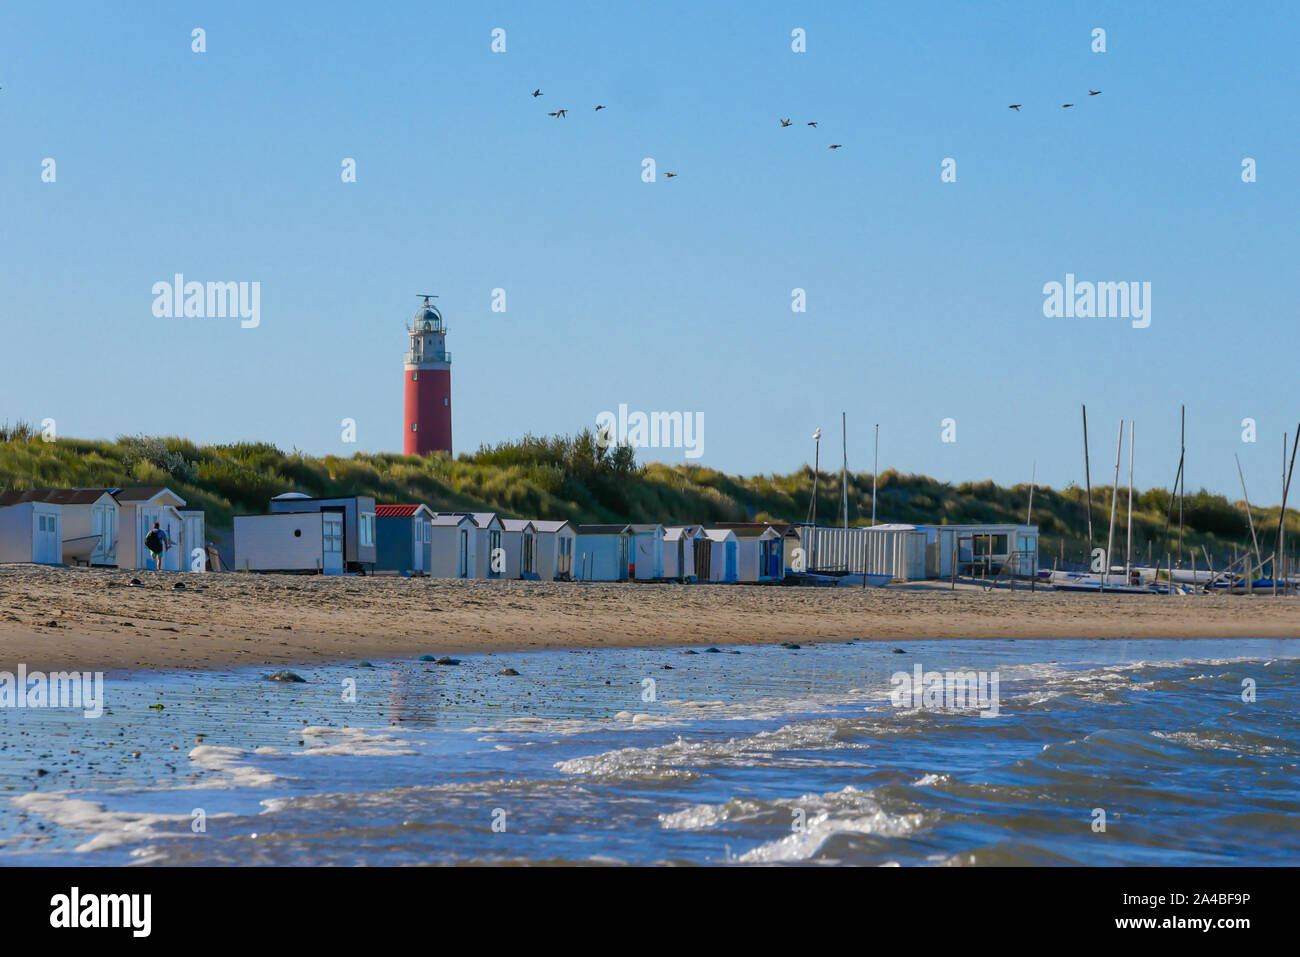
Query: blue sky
point(924, 298)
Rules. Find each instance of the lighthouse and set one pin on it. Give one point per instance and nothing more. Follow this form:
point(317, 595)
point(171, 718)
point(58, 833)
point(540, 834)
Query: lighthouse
point(426, 370)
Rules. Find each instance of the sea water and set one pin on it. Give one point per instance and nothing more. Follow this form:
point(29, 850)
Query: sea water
point(1098, 752)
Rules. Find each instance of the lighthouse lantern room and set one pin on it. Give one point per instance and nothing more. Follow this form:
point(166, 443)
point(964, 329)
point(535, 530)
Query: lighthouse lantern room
point(427, 374)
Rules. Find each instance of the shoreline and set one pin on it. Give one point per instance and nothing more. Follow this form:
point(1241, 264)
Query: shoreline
point(95, 619)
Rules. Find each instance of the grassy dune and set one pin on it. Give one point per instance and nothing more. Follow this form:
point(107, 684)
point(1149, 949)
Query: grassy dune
point(572, 478)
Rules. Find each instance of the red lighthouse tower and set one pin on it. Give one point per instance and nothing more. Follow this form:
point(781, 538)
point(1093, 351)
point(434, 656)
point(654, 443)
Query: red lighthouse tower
point(427, 375)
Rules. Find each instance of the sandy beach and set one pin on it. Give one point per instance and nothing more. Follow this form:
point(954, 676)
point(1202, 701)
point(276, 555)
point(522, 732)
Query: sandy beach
point(93, 618)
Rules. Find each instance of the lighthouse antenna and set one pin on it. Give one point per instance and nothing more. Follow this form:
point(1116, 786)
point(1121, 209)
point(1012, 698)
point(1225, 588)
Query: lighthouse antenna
point(426, 297)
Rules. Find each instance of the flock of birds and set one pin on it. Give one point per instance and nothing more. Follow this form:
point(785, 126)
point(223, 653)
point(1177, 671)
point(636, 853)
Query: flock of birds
point(561, 114)
point(1064, 106)
point(813, 124)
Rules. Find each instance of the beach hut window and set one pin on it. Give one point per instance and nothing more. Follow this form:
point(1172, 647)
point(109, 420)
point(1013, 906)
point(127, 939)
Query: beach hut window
point(415, 426)
point(367, 529)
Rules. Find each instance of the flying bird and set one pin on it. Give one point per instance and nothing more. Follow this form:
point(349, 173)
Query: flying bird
point(1093, 92)
point(558, 113)
point(1066, 106)
point(834, 146)
point(669, 175)
point(599, 108)
point(1014, 106)
point(537, 93)
point(813, 123)
point(785, 122)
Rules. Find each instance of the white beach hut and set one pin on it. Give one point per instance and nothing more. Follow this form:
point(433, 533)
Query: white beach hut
point(453, 550)
point(519, 539)
point(138, 509)
point(89, 517)
point(291, 542)
point(722, 561)
point(685, 558)
point(758, 554)
point(647, 551)
point(604, 553)
point(555, 547)
point(31, 532)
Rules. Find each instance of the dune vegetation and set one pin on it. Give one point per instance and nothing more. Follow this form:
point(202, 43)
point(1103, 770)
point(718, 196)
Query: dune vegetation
point(572, 477)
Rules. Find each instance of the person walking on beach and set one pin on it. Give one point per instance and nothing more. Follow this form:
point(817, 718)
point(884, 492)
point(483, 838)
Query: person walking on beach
point(157, 543)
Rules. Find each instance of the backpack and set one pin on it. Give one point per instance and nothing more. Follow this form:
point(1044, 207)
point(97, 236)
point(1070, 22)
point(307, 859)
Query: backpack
point(153, 541)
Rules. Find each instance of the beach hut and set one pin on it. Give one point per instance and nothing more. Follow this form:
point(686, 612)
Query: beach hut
point(758, 554)
point(685, 558)
point(983, 549)
point(555, 546)
point(487, 555)
point(453, 546)
point(519, 539)
point(402, 538)
point(723, 549)
point(138, 508)
point(309, 541)
point(193, 547)
point(31, 532)
point(647, 552)
point(776, 557)
point(604, 553)
point(358, 523)
point(89, 517)
point(898, 551)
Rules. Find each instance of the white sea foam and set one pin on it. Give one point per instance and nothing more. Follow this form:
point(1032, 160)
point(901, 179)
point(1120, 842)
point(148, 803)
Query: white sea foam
point(336, 742)
point(110, 828)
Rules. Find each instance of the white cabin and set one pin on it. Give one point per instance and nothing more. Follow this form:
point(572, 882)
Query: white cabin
point(453, 547)
point(604, 553)
point(555, 546)
point(723, 557)
point(647, 551)
point(290, 542)
point(89, 517)
point(686, 553)
point(519, 539)
point(138, 509)
point(32, 532)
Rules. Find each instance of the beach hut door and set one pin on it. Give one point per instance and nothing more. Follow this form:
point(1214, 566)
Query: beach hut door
point(193, 540)
point(703, 559)
point(681, 556)
point(332, 544)
point(463, 569)
point(45, 540)
point(417, 545)
point(103, 521)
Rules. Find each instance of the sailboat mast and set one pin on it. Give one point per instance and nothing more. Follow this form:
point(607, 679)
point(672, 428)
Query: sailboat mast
point(1114, 498)
point(875, 467)
point(1128, 549)
point(844, 470)
point(1087, 478)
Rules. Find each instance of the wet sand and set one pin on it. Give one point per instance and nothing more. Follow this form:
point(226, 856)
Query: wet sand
point(95, 619)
